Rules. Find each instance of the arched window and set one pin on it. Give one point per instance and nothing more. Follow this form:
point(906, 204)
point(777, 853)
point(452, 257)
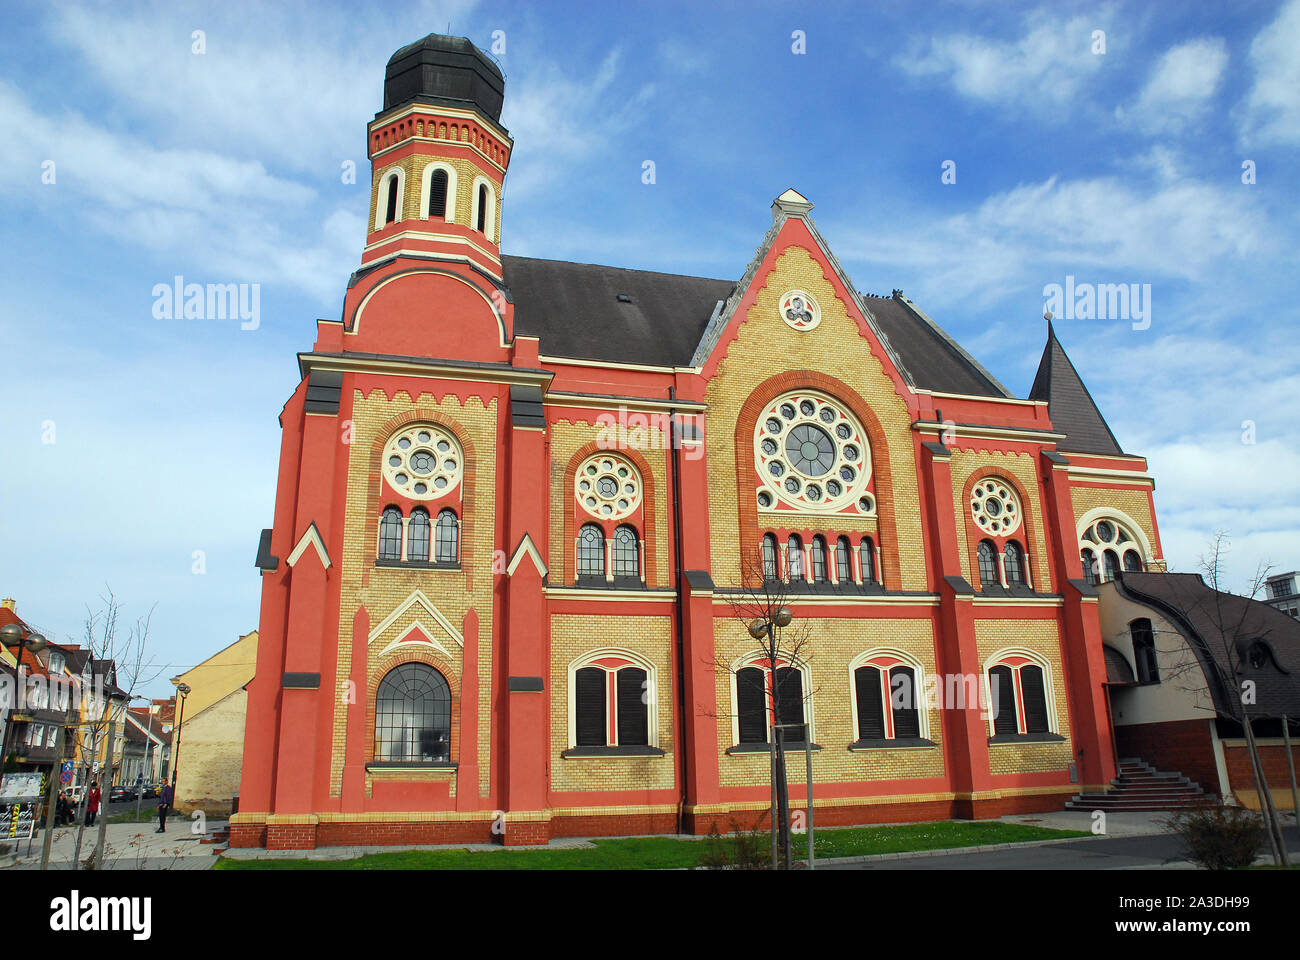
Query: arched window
point(413, 716)
point(871, 711)
point(886, 698)
point(818, 557)
point(438, 194)
point(753, 701)
point(794, 557)
point(988, 563)
point(1132, 561)
point(417, 535)
point(1003, 694)
point(612, 702)
point(448, 537)
point(626, 555)
point(482, 208)
point(867, 557)
point(391, 214)
point(770, 569)
point(843, 563)
point(390, 534)
point(1089, 560)
point(591, 551)
point(1144, 650)
point(1112, 564)
point(1018, 687)
point(1013, 562)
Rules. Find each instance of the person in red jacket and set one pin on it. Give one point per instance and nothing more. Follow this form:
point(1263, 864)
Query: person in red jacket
point(92, 804)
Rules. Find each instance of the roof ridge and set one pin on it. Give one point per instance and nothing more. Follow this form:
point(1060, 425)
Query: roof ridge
point(610, 266)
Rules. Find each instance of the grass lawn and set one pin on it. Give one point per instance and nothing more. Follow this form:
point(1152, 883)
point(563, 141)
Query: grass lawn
point(657, 853)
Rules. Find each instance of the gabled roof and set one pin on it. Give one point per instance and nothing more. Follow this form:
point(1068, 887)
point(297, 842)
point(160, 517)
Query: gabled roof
point(1207, 616)
point(1069, 403)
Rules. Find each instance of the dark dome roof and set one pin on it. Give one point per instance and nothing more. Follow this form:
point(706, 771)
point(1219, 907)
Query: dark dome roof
point(446, 70)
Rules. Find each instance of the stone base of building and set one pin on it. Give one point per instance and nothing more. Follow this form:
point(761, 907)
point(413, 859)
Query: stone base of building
point(534, 828)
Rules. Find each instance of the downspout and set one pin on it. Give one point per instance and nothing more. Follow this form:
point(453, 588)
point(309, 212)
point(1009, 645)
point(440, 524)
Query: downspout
point(675, 465)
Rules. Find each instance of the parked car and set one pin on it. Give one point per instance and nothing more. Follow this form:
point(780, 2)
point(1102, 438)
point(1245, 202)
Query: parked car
point(119, 794)
point(149, 791)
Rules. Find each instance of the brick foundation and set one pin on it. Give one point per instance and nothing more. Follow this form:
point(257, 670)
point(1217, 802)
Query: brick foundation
point(1184, 746)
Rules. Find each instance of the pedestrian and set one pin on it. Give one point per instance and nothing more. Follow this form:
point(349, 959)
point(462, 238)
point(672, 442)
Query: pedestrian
point(62, 810)
point(164, 804)
point(92, 803)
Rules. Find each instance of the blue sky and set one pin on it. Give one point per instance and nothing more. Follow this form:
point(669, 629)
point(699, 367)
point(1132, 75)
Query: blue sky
point(1122, 167)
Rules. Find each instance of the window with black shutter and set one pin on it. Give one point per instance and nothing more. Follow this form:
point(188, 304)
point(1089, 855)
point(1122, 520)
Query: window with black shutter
point(438, 194)
point(751, 705)
point(902, 702)
point(1003, 694)
point(789, 683)
point(633, 717)
point(1031, 685)
point(871, 714)
point(589, 707)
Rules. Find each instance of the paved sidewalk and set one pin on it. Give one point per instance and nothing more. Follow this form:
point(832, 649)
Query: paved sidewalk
point(131, 846)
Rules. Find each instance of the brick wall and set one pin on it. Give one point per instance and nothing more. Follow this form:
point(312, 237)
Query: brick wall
point(1184, 746)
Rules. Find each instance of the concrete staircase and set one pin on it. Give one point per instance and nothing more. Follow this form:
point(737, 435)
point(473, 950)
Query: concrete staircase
point(1141, 787)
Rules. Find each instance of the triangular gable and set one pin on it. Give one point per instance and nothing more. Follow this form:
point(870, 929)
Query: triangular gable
point(310, 538)
point(417, 598)
point(418, 635)
point(527, 549)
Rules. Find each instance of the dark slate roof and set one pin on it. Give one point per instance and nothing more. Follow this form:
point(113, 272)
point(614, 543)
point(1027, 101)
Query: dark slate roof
point(1069, 403)
point(576, 311)
point(444, 70)
point(1206, 616)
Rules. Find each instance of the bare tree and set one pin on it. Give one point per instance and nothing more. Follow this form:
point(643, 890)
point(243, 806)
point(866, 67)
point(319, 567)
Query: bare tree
point(760, 605)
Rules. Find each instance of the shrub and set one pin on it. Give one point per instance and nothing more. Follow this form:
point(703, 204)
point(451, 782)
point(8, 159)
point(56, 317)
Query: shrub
point(743, 850)
point(1217, 837)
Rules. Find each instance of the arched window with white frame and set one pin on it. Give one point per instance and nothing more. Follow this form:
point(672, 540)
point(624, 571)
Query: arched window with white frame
point(752, 700)
point(438, 191)
point(887, 699)
point(1114, 542)
point(389, 197)
point(612, 698)
point(1019, 690)
point(485, 204)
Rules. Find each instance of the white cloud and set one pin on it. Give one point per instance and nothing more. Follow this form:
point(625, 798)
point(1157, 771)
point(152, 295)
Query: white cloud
point(1180, 88)
point(1270, 113)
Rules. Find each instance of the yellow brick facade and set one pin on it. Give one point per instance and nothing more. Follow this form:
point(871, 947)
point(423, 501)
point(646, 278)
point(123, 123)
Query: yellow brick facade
point(413, 176)
point(1041, 637)
point(1021, 467)
point(1135, 502)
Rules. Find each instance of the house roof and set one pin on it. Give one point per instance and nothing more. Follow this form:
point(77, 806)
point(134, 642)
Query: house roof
point(1206, 616)
point(593, 312)
point(1069, 404)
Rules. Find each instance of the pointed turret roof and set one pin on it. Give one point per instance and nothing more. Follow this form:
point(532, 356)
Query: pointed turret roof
point(1069, 403)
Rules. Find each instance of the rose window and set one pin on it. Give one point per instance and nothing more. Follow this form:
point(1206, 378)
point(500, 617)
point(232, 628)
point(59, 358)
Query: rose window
point(800, 310)
point(423, 463)
point(608, 487)
point(810, 452)
point(995, 507)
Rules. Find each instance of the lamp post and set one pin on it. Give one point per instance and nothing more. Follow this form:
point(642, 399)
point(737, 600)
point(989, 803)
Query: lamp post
point(764, 628)
point(184, 690)
point(12, 635)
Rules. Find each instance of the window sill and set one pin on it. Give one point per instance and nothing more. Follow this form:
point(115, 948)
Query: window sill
point(1005, 739)
point(417, 565)
point(411, 765)
point(745, 748)
point(597, 753)
point(898, 743)
point(618, 583)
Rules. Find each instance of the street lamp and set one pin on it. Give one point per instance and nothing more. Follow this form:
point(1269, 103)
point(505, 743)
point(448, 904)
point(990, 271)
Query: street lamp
point(184, 690)
point(12, 635)
point(764, 629)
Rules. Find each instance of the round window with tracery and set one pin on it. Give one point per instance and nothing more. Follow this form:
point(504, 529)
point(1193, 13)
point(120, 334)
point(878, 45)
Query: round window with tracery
point(810, 452)
point(800, 310)
point(995, 507)
point(608, 487)
point(423, 462)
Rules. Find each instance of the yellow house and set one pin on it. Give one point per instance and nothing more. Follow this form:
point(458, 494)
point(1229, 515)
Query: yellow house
point(208, 743)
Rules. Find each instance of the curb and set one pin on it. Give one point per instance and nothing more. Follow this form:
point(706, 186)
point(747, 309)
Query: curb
point(953, 851)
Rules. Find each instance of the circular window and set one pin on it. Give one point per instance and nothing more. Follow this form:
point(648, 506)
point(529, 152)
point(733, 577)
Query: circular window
point(422, 462)
point(608, 486)
point(810, 452)
point(995, 508)
point(799, 310)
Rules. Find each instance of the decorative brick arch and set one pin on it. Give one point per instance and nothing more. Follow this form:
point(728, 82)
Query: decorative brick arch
point(375, 484)
point(392, 662)
point(1041, 574)
point(569, 567)
point(747, 485)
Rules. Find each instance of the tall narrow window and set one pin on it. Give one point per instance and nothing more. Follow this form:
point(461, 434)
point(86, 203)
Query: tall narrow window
point(482, 208)
point(589, 698)
point(1003, 693)
point(633, 719)
point(770, 571)
point(902, 702)
point(1013, 562)
point(391, 213)
point(843, 565)
point(867, 557)
point(390, 534)
point(1144, 650)
point(1089, 560)
point(818, 553)
point(871, 715)
point(591, 551)
point(988, 562)
point(1032, 689)
point(448, 537)
point(751, 705)
point(438, 194)
point(626, 555)
point(789, 684)
point(1112, 564)
point(794, 557)
point(417, 535)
